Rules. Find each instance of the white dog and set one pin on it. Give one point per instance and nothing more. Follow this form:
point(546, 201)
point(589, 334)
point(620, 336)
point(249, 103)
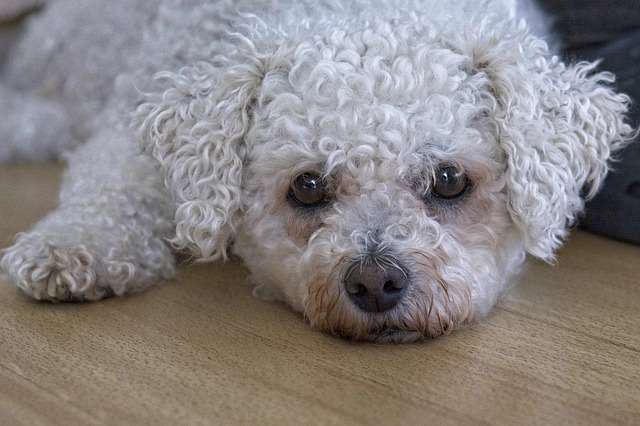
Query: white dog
point(381, 166)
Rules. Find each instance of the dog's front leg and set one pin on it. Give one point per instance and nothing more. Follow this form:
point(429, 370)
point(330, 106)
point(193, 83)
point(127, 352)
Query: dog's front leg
point(107, 235)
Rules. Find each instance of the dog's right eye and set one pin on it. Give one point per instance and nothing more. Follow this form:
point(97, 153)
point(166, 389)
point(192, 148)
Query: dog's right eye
point(308, 190)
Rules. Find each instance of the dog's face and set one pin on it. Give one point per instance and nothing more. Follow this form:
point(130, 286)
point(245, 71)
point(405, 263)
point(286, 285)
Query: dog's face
point(387, 192)
point(377, 207)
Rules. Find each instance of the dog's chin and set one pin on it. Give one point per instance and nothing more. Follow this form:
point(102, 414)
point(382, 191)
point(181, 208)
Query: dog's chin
point(386, 330)
point(386, 333)
point(394, 335)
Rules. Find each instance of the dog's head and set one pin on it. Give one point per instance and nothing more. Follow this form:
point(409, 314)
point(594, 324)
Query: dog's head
point(387, 181)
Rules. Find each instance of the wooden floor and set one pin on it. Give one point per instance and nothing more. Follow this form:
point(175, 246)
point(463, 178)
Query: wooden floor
point(561, 348)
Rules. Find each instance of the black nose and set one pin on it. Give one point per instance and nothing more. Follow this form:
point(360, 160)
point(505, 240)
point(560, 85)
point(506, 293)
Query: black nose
point(375, 289)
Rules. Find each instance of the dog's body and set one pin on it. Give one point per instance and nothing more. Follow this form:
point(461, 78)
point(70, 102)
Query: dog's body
point(383, 167)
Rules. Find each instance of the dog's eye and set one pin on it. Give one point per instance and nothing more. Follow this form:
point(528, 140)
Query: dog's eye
point(450, 182)
point(308, 190)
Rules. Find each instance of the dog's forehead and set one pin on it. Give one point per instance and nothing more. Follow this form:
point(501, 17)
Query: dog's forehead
point(337, 104)
point(384, 142)
point(398, 74)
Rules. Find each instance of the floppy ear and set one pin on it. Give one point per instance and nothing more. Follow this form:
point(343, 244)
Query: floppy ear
point(194, 126)
point(558, 126)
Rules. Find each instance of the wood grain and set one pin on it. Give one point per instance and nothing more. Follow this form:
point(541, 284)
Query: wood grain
point(563, 347)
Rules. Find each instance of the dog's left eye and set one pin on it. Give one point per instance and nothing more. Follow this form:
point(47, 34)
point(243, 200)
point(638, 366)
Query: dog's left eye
point(450, 182)
point(308, 190)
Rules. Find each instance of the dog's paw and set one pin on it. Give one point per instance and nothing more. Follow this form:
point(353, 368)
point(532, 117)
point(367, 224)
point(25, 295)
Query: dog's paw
point(46, 271)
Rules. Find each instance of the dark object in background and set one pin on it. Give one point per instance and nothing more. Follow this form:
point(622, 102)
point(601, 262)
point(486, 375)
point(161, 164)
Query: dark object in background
point(615, 211)
point(583, 23)
point(608, 30)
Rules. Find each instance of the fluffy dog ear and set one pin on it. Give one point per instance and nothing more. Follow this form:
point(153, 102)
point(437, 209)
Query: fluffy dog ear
point(558, 126)
point(194, 126)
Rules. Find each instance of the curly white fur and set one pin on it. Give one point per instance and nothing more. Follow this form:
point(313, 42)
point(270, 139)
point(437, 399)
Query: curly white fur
point(230, 101)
